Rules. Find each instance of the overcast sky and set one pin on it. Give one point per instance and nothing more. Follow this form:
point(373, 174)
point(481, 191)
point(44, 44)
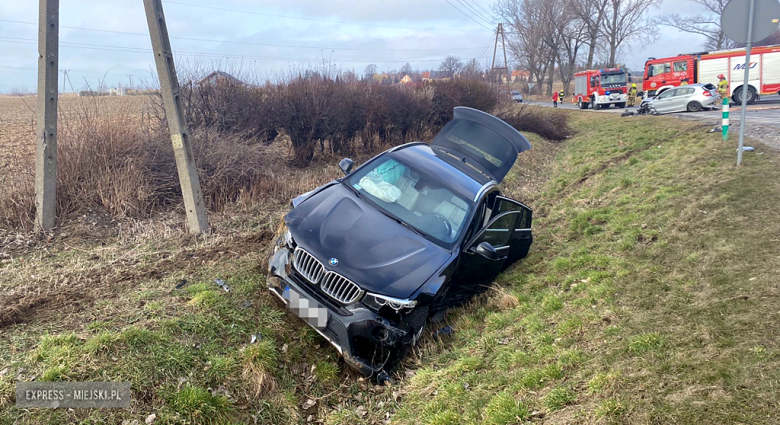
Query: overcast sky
point(349, 33)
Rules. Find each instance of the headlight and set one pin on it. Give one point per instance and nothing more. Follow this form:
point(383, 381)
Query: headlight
point(376, 302)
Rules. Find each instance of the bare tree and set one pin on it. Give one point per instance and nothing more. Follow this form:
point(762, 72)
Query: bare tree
point(370, 71)
point(526, 33)
point(575, 35)
point(590, 14)
point(406, 69)
point(472, 70)
point(625, 22)
point(706, 24)
point(450, 66)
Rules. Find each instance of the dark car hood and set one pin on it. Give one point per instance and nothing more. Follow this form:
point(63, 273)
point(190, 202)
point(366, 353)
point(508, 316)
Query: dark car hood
point(373, 250)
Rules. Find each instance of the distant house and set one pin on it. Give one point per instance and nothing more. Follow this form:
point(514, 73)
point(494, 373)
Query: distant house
point(520, 75)
point(219, 77)
point(407, 79)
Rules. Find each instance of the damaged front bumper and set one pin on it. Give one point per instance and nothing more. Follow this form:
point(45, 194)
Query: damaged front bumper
point(365, 339)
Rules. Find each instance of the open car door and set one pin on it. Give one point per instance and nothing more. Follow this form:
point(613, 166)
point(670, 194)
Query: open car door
point(520, 238)
point(482, 141)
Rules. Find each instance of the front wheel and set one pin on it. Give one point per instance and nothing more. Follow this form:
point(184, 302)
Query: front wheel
point(694, 106)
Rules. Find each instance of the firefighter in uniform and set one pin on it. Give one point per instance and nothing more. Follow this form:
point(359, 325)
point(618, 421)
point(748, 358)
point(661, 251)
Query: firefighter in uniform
point(723, 87)
point(684, 82)
point(632, 95)
point(561, 96)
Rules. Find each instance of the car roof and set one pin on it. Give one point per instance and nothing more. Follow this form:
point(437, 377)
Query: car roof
point(460, 177)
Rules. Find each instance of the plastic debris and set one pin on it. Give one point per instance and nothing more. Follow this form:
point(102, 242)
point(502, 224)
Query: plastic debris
point(181, 283)
point(747, 149)
point(382, 377)
point(255, 338)
point(447, 330)
point(221, 283)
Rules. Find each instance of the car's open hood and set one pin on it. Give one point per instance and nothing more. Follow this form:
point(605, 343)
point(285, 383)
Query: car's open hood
point(373, 250)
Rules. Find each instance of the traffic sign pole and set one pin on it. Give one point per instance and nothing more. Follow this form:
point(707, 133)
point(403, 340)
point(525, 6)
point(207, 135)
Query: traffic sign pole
point(725, 123)
point(745, 86)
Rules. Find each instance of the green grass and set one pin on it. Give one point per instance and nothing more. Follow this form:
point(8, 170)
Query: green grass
point(649, 296)
point(646, 297)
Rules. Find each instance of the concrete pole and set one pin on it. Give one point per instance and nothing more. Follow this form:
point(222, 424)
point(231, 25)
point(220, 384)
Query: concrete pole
point(174, 113)
point(46, 135)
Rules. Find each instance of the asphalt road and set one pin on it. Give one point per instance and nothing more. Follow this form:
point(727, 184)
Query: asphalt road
point(762, 121)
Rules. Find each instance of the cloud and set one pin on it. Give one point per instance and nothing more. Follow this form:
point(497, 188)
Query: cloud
point(351, 33)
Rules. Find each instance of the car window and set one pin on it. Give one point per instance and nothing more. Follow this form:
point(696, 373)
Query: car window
point(690, 90)
point(463, 133)
point(613, 79)
point(657, 69)
point(418, 199)
point(680, 66)
point(667, 94)
point(497, 234)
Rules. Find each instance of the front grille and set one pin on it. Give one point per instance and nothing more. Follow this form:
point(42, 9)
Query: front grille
point(340, 288)
point(308, 266)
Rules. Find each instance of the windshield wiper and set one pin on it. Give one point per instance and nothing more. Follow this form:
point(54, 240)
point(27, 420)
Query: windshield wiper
point(403, 223)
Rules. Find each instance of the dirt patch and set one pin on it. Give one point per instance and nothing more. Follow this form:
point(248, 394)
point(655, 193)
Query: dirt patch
point(22, 309)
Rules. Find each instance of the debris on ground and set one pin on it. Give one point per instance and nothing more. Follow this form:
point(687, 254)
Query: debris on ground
point(255, 338)
point(246, 304)
point(181, 284)
point(747, 149)
point(308, 404)
point(383, 377)
point(447, 330)
point(221, 283)
point(149, 419)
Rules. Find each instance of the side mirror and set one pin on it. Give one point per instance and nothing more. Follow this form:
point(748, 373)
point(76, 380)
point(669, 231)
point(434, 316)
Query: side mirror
point(346, 165)
point(487, 250)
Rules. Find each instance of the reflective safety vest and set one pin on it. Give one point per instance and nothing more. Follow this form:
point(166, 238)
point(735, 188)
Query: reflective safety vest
point(723, 87)
point(632, 91)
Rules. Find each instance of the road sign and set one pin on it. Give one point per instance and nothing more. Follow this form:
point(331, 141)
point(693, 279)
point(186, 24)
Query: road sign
point(530, 86)
point(746, 21)
point(736, 20)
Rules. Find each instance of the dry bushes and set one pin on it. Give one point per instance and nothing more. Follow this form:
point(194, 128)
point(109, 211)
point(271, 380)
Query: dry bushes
point(548, 123)
point(320, 114)
point(111, 163)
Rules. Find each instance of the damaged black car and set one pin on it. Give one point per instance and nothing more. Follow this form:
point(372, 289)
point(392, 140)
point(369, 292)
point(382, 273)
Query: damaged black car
point(420, 228)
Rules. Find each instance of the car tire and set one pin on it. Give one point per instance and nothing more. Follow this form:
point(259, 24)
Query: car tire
point(694, 106)
point(414, 323)
point(737, 96)
point(620, 105)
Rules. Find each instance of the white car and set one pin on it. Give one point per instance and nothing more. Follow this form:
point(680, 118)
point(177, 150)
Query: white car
point(516, 96)
point(691, 98)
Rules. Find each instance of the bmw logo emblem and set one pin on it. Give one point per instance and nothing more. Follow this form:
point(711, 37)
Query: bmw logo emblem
point(334, 261)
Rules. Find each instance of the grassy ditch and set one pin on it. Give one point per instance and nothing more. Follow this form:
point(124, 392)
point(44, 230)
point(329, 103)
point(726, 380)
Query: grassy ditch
point(650, 295)
point(648, 298)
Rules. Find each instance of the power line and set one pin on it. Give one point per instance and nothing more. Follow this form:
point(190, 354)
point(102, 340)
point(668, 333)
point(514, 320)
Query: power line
point(199, 54)
point(315, 19)
point(250, 43)
point(476, 13)
point(488, 14)
point(469, 16)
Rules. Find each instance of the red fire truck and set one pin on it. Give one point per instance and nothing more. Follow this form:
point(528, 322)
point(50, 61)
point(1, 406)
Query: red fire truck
point(600, 88)
point(665, 73)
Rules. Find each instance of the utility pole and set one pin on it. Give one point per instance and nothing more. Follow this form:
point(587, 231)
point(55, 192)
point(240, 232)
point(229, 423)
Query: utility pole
point(501, 70)
point(46, 134)
point(130, 77)
point(64, 76)
point(177, 123)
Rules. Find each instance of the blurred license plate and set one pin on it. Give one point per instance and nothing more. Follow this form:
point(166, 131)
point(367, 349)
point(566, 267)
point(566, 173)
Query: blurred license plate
point(307, 309)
